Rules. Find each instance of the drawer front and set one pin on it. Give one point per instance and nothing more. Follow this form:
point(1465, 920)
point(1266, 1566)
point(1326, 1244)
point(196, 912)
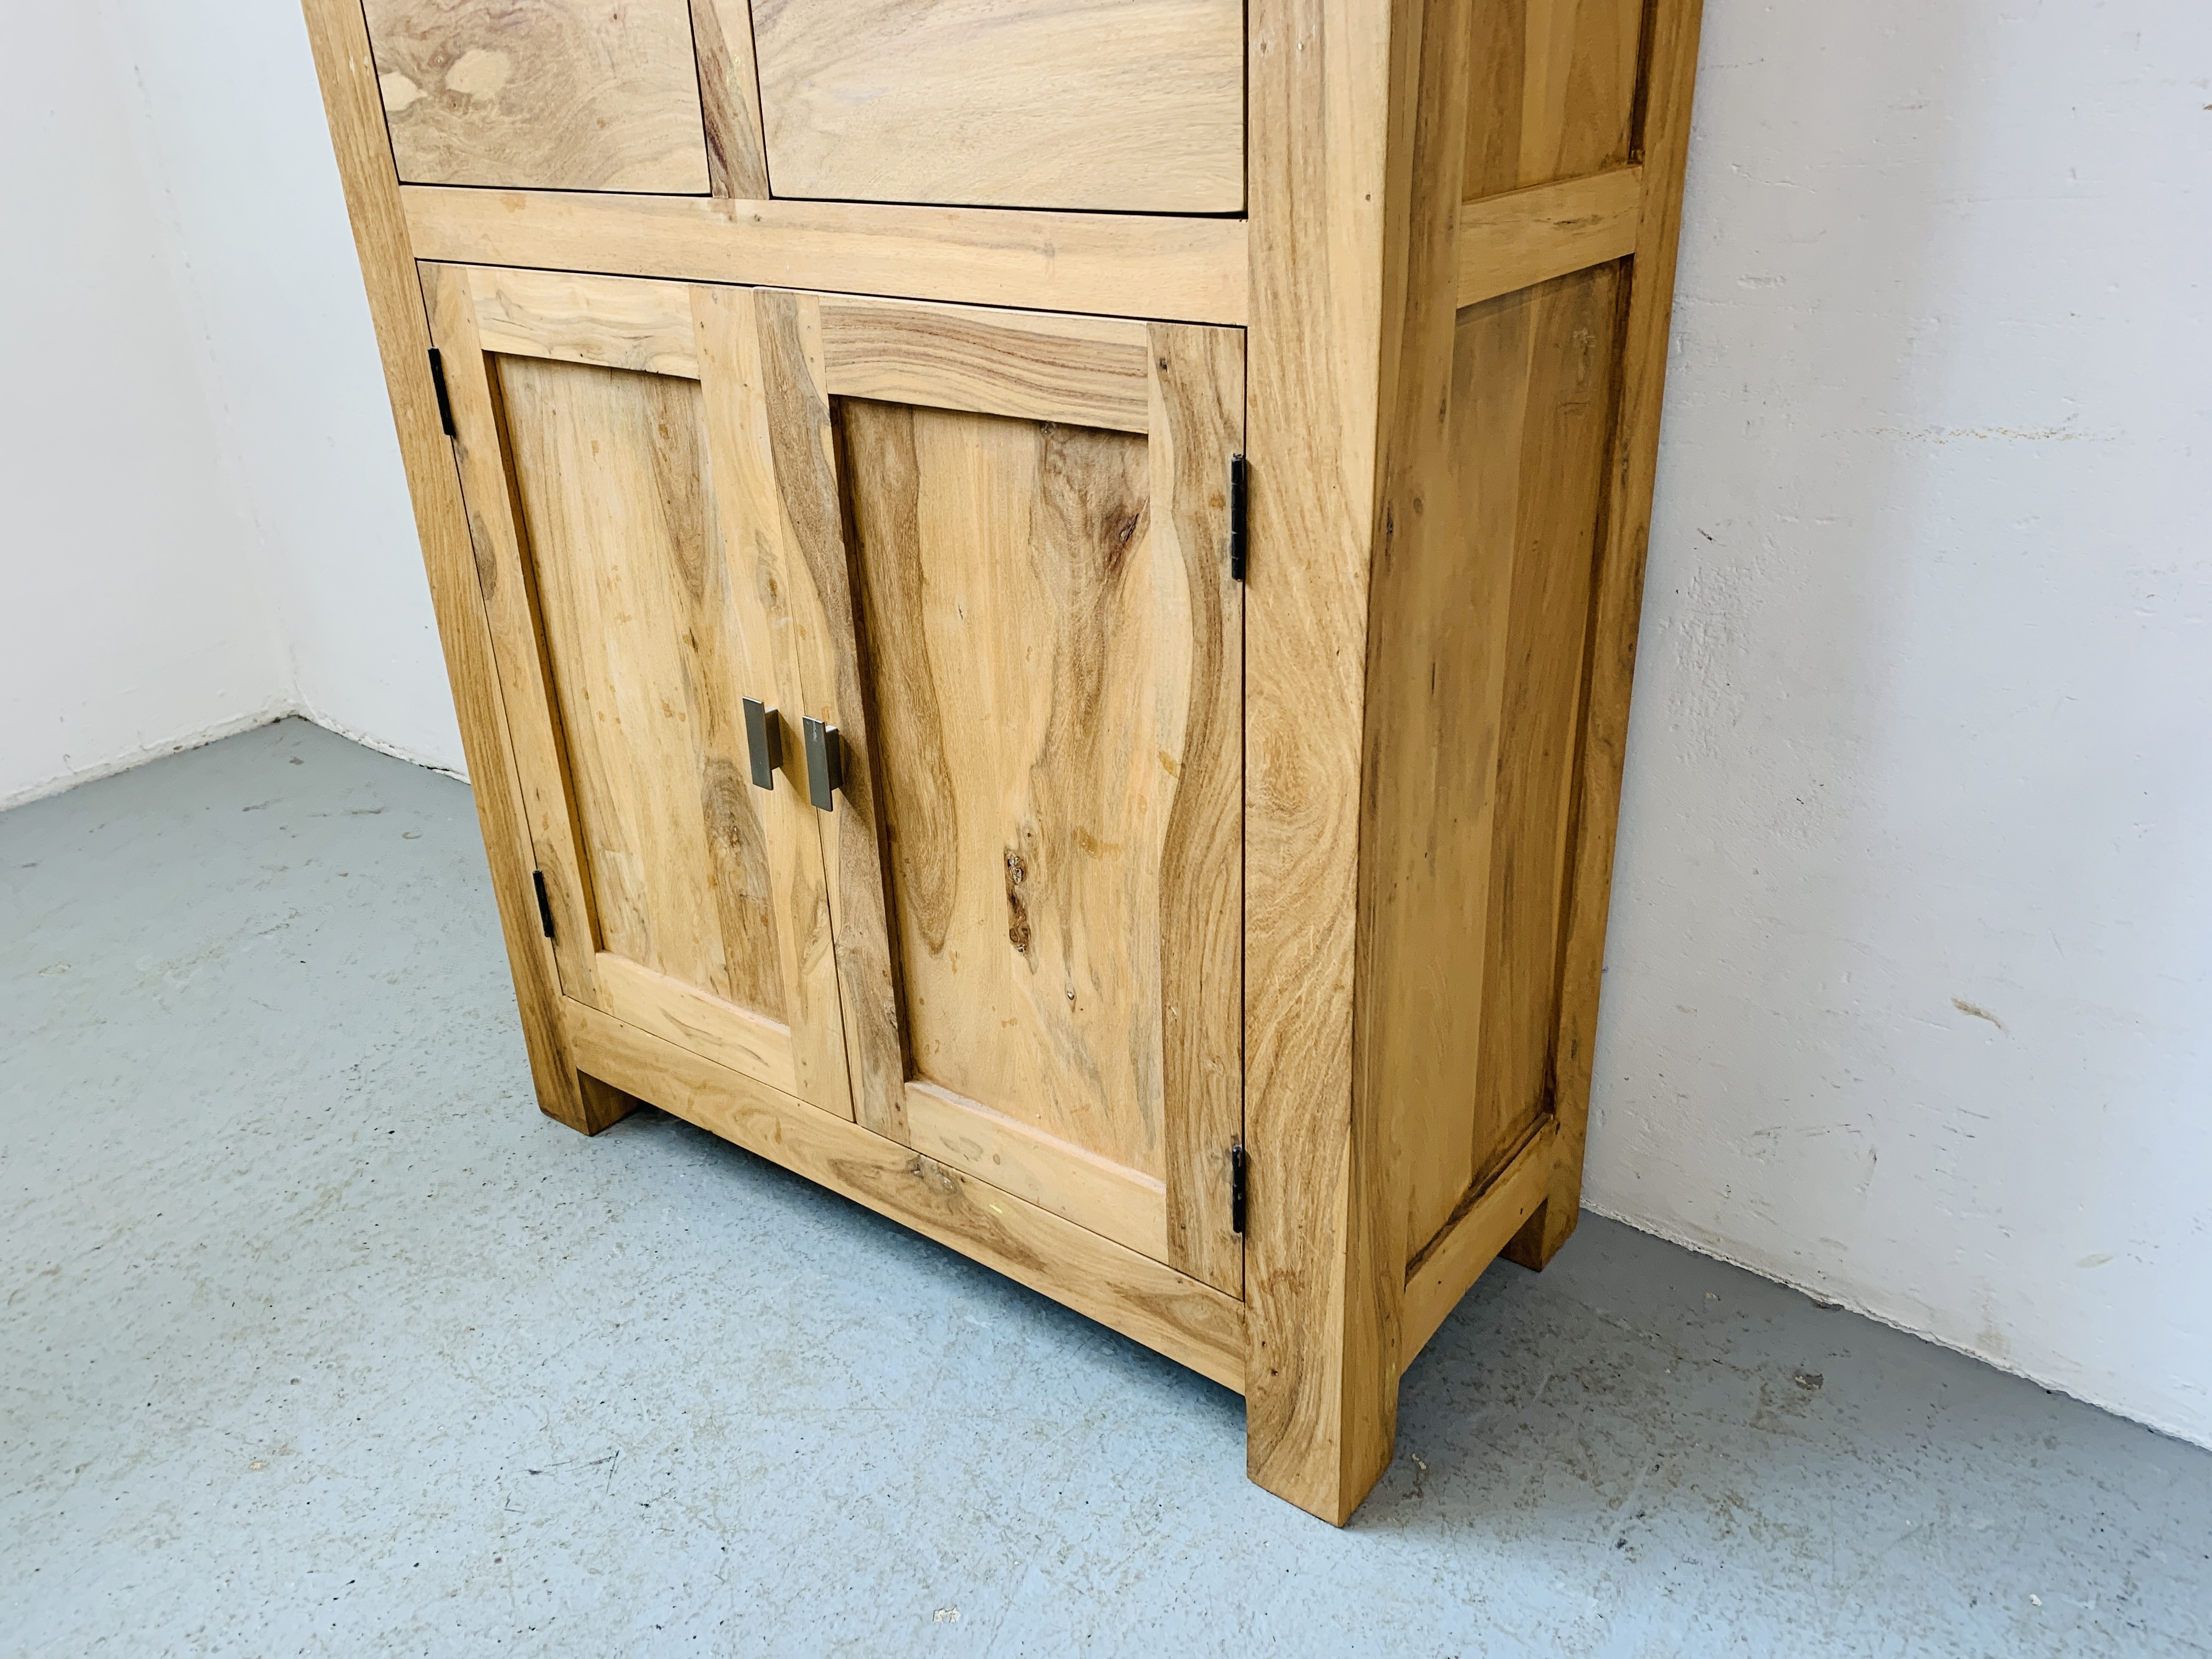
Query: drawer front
point(557, 95)
point(1131, 106)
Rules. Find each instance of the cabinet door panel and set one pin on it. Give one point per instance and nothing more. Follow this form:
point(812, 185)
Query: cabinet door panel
point(1135, 106)
point(618, 546)
point(1034, 641)
point(612, 471)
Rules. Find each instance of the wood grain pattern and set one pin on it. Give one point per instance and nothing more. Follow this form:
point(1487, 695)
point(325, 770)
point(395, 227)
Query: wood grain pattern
point(1473, 742)
point(1128, 105)
point(1186, 270)
point(729, 98)
point(1107, 1198)
point(775, 340)
point(1197, 399)
point(610, 322)
point(1615, 608)
point(1191, 1323)
point(612, 470)
point(1554, 88)
point(558, 94)
point(759, 557)
point(1511, 242)
point(1356, 124)
point(1051, 663)
point(1081, 371)
point(504, 579)
point(339, 40)
point(709, 1025)
point(1455, 1259)
point(629, 623)
point(1008, 601)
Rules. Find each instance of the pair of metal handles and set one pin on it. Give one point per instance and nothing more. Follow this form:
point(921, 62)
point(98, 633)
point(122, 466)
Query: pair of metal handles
point(825, 754)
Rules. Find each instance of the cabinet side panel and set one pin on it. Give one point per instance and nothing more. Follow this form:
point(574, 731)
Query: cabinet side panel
point(340, 43)
point(1471, 743)
point(1616, 605)
point(1552, 90)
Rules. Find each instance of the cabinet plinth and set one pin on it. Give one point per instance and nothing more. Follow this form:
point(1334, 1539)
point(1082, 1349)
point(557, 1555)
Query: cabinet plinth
point(1070, 688)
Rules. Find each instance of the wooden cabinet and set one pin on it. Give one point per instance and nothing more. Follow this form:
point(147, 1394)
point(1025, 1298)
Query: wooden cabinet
point(1094, 733)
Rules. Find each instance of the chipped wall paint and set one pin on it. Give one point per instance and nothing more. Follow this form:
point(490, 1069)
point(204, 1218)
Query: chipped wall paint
point(1907, 991)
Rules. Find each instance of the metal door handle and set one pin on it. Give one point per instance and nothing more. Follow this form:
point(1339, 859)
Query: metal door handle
point(764, 742)
point(825, 764)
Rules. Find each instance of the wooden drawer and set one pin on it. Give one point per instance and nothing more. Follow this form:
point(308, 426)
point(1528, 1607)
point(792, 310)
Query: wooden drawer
point(1133, 105)
point(560, 94)
point(1129, 106)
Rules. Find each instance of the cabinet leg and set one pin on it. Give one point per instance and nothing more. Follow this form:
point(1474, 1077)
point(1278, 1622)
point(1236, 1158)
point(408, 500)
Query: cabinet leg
point(1541, 1235)
point(593, 1107)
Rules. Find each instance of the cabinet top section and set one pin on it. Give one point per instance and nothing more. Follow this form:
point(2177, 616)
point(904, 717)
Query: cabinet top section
point(1122, 106)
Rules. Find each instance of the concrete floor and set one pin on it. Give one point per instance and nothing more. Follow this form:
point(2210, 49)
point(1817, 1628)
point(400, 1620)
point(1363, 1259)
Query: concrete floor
point(318, 1338)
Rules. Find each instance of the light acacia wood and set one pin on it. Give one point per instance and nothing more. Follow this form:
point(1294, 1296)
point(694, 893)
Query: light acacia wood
point(339, 41)
point(1355, 200)
point(729, 96)
point(1617, 599)
point(1131, 106)
point(1554, 89)
point(1110, 1199)
point(778, 337)
point(1197, 396)
point(629, 623)
point(1190, 1323)
point(1472, 737)
point(1041, 628)
point(609, 323)
point(1511, 242)
point(1081, 371)
point(1324, 858)
point(1128, 265)
point(501, 568)
point(557, 95)
point(1455, 1259)
point(728, 1035)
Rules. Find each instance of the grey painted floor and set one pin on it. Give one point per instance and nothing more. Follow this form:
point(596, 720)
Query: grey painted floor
point(318, 1338)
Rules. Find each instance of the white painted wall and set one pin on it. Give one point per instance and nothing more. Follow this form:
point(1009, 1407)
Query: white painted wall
point(1907, 996)
point(225, 104)
point(1925, 714)
point(134, 616)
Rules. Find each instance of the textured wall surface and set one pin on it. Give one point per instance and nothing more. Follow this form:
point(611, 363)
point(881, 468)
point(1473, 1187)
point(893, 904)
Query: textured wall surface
point(1907, 998)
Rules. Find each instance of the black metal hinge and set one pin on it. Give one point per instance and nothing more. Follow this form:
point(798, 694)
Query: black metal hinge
point(545, 904)
point(438, 380)
point(1237, 538)
point(1236, 1188)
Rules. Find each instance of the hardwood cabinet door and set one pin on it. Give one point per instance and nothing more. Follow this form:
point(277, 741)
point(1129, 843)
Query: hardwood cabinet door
point(1135, 106)
point(620, 497)
point(1011, 537)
